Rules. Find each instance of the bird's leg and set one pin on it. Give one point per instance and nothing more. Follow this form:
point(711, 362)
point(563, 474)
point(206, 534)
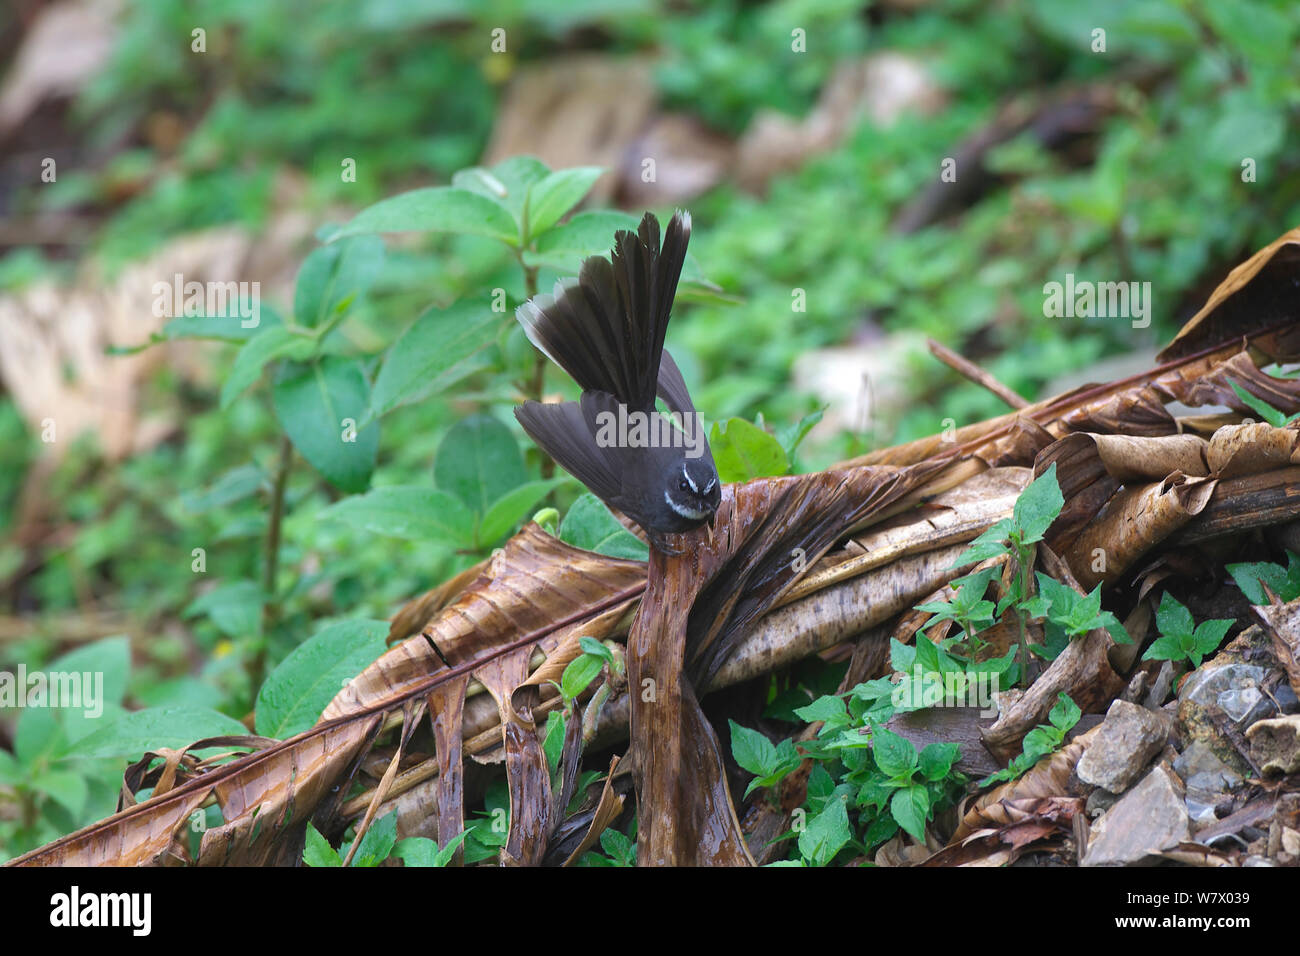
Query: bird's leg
point(664, 542)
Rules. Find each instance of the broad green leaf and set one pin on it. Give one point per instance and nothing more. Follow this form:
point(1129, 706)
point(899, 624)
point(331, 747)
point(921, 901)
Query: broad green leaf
point(752, 750)
point(378, 842)
point(102, 669)
point(555, 195)
point(1038, 506)
point(1252, 577)
point(586, 234)
point(510, 508)
point(320, 406)
point(936, 760)
point(1173, 619)
point(553, 738)
point(910, 806)
point(580, 672)
point(436, 209)
point(156, 727)
point(318, 851)
point(423, 852)
point(988, 545)
point(829, 709)
point(506, 184)
point(276, 342)
point(437, 351)
point(895, 755)
point(294, 694)
point(790, 438)
point(230, 327)
point(591, 526)
point(1064, 714)
point(826, 834)
point(67, 788)
point(479, 461)
point(413, 512)
point(333, 277)
point(742, 451)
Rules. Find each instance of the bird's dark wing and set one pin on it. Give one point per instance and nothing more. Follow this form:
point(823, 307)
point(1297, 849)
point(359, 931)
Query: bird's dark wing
point(606, 329)
point(563, 432)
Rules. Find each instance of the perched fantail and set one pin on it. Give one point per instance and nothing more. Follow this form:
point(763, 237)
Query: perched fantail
point(606, 329)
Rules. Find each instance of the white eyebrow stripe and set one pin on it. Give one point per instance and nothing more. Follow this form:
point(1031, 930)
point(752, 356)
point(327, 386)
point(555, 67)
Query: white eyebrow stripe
point(685, 512)
point(709, 486)
point(690, 481)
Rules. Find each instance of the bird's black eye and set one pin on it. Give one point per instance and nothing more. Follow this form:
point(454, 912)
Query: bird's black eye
point(682, 485)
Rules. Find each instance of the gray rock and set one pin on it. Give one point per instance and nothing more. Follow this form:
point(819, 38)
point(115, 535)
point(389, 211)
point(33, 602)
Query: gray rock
point(1129, 738)
point(1150, 818)
point(1208, 781)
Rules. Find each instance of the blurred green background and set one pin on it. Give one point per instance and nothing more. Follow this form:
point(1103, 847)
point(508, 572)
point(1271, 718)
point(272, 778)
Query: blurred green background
point(806, 137)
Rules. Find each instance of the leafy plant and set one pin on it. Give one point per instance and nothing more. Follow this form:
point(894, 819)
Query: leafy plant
point(1069, 614)
point(1253, 577)
point(1180, 637)
point(1041, 741)
point(1271, 415)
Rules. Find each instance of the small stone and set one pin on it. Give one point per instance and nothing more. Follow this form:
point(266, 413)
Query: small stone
point(1208, 781)
point(1129, 737)
point(1150, 818)
point(1275, 744)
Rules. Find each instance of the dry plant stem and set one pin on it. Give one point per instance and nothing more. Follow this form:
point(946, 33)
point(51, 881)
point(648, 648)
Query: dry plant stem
point(538, 380)
point(970, 370)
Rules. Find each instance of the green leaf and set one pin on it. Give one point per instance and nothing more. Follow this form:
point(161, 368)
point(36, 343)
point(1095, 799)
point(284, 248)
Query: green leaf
point(67, 788)
point(507, 183)
point(423, 852)
point(220, 328)
point(238, 483)
point(990, 544)
point(586, 234)
point(294, 694)
point(1266, 411)
point(592, 646)
point(555, 195)
point(936, 760)
point(1164, 649)
point(910, 806)
point(437, 351)
point(436, 209)
point(412, 512)
point(510, 508)
point(333, 277)
point(155, 727)
point(276, 342)
point(742, 451)
point(104, 666)
point(790, 438)
point(378, 841)
point(1208, 637)
point(752, 750)
point(479, 461)
point(319, 406)
point(553, 739)
point(1251, 578)
point(580, 672)
point(1173, 619)
point(234, 607)
point(826, 834)
point(591, 526)
point(318, 851)
point(1064, 714)
point(895, 755)
point(829, 709)
point(1038, 506)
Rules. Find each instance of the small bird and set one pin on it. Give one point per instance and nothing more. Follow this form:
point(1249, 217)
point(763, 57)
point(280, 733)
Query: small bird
point(606, 329)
